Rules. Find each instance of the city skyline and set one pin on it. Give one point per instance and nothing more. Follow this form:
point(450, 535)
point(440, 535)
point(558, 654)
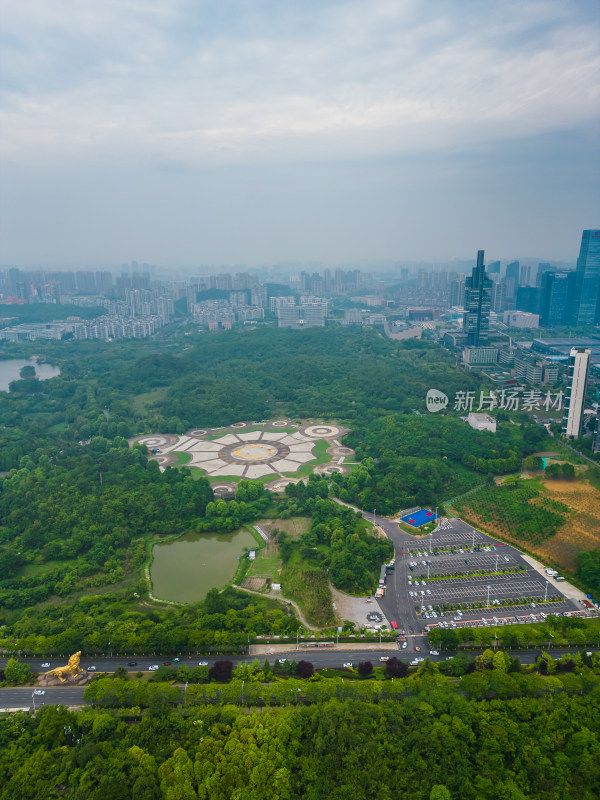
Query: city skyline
point(183, 134)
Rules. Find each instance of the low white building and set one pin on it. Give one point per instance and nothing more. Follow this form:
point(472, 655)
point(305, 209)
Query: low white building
point(482, 422)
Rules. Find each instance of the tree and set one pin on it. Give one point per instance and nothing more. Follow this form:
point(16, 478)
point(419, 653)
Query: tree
point(395, 668)
point(16, 671)
point(439, 792)
point(304, 669)
point(365, 668)
point(221, 671)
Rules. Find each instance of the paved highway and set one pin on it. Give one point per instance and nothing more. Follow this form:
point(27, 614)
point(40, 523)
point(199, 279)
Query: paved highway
point(21, 697)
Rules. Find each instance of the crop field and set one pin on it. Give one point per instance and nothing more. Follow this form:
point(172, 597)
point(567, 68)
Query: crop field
point(582, 529)
point(553, 519)
point(524, 513)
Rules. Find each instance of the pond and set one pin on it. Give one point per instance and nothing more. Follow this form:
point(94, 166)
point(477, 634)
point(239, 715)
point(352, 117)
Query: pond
point(185, 569)
point(11, 368)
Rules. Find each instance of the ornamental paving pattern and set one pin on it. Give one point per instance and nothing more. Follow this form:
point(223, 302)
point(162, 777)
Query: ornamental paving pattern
point(252, 450)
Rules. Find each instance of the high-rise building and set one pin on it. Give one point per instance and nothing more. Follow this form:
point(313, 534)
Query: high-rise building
point(478, 296)
point(587, 279)
point(494, 268)
point(554, 299)
point(579, 366)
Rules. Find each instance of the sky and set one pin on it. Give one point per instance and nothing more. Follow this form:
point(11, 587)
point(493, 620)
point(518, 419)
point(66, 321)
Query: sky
point(189, 132)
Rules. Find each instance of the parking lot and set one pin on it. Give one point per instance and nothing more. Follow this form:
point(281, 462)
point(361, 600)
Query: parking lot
point(418, 601)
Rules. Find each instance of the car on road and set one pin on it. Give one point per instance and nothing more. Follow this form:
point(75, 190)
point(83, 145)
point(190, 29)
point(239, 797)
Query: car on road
point(404, 645)
point(153, 667)
point(433, 653)
point(166, 663)
point(39, 691)
point(418, 660)
point(203, 663)
point(175, 660)
point(46, 664)
point(91, 669)
point(418, 649)
point(132, 663)
point(384, 658)
point(348, 665)
point(282, 660)
point(428, 591)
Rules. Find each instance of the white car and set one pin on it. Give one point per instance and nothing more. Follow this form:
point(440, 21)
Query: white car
point(428, 591)
point(203, 663)
point(282, 660)
point(433, 653)
point(91, 669)
point(39, 691)
point(153, 667)
point(384, 658)
point(348, 665)
point(45, 665)
point(419, 659)
point(404, 645)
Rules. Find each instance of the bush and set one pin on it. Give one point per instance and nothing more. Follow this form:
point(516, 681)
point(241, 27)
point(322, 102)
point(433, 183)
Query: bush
point(365, 668)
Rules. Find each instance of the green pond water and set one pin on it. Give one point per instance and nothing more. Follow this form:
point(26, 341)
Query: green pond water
point(185, 569)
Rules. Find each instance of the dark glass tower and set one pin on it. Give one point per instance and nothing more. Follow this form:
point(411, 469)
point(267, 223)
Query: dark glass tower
point(478, 299)
point(587, 279)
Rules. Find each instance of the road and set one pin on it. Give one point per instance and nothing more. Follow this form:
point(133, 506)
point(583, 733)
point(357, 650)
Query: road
point(21, 697)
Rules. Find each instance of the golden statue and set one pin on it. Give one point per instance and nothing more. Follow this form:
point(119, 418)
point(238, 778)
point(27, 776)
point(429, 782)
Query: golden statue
point(70, 670)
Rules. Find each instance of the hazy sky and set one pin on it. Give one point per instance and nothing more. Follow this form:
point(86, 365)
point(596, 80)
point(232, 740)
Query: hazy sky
point(182, 132)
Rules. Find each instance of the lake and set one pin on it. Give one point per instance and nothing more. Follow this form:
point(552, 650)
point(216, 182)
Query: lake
point(185, 569)
point(10, 369)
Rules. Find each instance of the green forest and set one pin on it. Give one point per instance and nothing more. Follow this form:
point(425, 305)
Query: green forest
point(80, 510)
point(490, 734)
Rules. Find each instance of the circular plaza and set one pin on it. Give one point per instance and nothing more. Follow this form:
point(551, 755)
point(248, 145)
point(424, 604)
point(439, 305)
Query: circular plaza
point(279, 450)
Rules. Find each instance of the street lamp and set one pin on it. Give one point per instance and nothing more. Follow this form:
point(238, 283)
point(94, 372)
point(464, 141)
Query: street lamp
point(496, 567)
point(374, 510)
point(33, 699)
point(242, 692)
point(546, 592)
point(488, 597)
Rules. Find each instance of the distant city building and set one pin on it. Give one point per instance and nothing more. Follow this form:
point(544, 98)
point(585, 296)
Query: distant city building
point(478, 293)
point(475, 357)
point(554, 297)
point(494, 268)
point(290, 315)
point(579, 365)
point(587, 280)
point(481, 422)
point(521, 319)
point(422, 314)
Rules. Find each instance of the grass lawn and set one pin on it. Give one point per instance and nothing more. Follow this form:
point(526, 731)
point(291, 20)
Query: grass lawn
point(265, 565)
point(309, 587)
point(142, 402)
point(182, 458)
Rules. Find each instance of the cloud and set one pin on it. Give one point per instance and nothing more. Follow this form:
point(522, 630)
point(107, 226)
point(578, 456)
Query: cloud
point(182, 82)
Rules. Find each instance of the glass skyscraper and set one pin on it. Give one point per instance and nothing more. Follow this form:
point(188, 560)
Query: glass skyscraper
point(478, 301)
point(587, 279)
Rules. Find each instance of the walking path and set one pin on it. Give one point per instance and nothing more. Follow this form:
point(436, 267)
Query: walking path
point(279, 600)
